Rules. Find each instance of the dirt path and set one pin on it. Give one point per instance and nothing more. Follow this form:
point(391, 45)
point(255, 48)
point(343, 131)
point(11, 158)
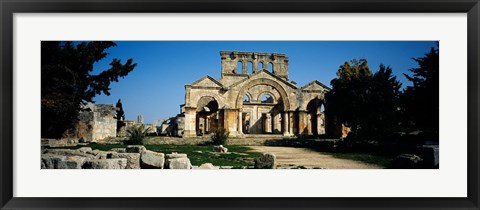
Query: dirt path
point(287, 157)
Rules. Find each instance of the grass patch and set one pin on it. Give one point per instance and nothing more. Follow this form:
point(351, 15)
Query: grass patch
point(238, 156)
point(203, 154)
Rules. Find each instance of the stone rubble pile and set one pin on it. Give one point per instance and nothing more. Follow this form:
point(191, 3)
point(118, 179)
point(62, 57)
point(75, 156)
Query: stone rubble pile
point(132, 157)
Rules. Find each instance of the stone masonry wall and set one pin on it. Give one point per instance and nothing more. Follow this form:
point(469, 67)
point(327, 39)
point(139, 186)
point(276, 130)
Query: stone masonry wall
point(97, 122)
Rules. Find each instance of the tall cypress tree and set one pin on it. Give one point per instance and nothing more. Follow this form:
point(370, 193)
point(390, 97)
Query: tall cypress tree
point(421, 101)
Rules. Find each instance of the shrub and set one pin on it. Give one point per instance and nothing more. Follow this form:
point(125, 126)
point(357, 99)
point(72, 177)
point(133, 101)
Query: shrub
point(220, 136)
point(136, 134)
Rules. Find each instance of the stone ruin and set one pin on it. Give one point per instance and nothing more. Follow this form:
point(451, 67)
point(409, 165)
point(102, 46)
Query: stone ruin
point(254, 96)
point(132, 157)
point(96, 122)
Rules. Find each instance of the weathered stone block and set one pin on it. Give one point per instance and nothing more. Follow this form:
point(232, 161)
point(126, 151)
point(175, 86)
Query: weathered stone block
point(62, 142)
point(133, 159)
point(68, 152)
point(54, 161)
point(176, 155)
point(117, 163)
point(51, 161)
point(178, 163)
point(208, 166)
point(72, 162)
point(85, 149)
point(266, 161)
point(135, 149)
point(152, 160)
point(119, 150)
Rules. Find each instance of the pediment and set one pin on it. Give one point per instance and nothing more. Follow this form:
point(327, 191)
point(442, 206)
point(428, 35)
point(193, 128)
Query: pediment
point(315, 86)
point(208, 82)
point(269, 75)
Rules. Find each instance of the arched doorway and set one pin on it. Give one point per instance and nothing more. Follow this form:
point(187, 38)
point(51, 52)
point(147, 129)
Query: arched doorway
point(207, 115)
point(315, 117)
point(267, 110)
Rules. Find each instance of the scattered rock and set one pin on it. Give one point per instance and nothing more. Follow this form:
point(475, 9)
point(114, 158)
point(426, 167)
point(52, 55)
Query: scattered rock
point(177, 161)
point(176, 155)
point(72, 162)
point(267, 161)
point(133, 159)
point(117, 163)
point(150, 159)
point(85, 149)
point(51, 161)
point(119, 150)
point(102, 154)
point(68, 152)
point(220, 149)
point(135, 149)
point(208, 166)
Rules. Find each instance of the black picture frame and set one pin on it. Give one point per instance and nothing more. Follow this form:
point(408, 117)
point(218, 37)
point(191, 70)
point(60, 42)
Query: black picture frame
point(10, 7)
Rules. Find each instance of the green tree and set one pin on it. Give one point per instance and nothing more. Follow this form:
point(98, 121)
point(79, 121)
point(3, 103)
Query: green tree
point(347, 100)
point(421, 101)
point(67, 81)
point(383, 105)
point(366, 102)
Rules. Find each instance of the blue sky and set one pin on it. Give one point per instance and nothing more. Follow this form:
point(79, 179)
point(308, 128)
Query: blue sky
point(156, 87)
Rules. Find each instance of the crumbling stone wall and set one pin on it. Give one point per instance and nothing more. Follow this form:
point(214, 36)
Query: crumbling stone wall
point(97, 122)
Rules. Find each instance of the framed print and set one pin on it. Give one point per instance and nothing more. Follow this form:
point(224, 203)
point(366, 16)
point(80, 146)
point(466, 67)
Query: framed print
point(272, 83)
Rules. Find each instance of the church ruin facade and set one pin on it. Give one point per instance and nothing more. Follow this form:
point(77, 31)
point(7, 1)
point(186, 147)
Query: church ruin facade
point(253, 96)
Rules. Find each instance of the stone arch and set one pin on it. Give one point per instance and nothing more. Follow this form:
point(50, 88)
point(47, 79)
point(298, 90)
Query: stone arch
point(311, 97)
point(206, 115)
point(275, 100)
point(239, 68)
point(263, 81)
point(206, 101)
point(217, 97)
point(315, 117)
point(249, 96)
point(250, 69)
point(260, 63)
point(271, 67)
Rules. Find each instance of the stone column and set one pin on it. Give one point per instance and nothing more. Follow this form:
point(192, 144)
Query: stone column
point(190, 121)
point(268, 123)
point(291, 122)
point(302, 122)
point(239, 123)
point(285, 124)
point(230, 121)
point(320, 124)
